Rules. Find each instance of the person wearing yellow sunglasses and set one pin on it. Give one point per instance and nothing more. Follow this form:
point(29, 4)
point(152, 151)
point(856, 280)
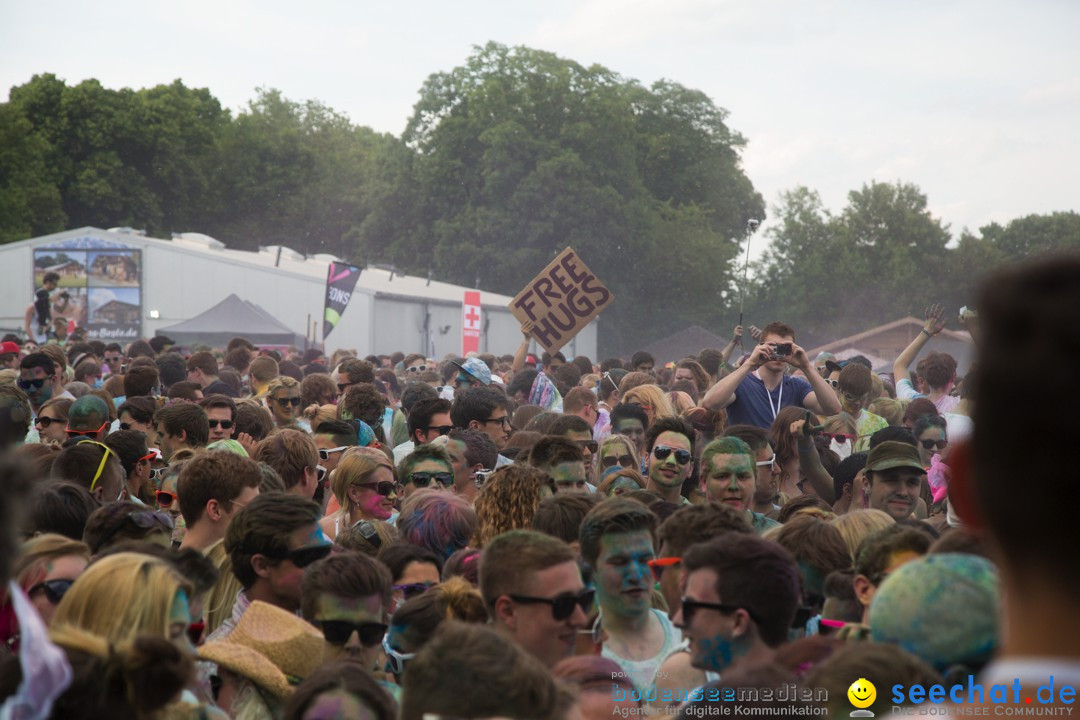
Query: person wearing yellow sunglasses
point(95, 466)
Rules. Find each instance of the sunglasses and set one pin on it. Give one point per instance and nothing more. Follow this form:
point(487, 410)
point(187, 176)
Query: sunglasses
point(835, 383)
point(88, 433)
point(417, 369)
point(225, 424)
point(54, 589)
point(611, 461)
point(443, 429)
point(423, 479)
point(125, 426)
point(411, 590)
point(45, 422)
point(590, 445)
point(562, 606)
point(325, 453)
point(384, 487)
point(342, 387)
point(689, 607)
point(303, 556)
point(142, 519)
point(37, 383)
point(395, 659)
point(338, 632)
point(164, 498)
point(286, 402)
point(661, 452)
point(931, 444)
point(840, 438)
point(657, 565)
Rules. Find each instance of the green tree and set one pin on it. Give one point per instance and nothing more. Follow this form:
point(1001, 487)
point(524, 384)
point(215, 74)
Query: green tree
point(520, 153)
point(29, 199)
point(882, 258)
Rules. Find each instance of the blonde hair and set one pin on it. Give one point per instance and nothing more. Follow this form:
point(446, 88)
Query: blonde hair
point(857, 524)
point(840, 424)
point(681, 401)
point(37, 551)
point(354, 469)
point(891, 410)
point(123, 596)
point(652, 398)
point(616, 439)
point(279, 382)
point(318, 414)
point(589, 381)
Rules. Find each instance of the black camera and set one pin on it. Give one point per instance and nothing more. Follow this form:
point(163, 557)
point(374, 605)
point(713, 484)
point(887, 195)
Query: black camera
point(781, 350)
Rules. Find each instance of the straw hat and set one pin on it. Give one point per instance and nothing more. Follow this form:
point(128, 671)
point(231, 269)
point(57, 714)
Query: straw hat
point(269, 646)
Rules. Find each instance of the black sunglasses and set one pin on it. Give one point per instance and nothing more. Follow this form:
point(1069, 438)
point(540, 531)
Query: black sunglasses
point(302, 556)
point(689, 607)
point(384, 487)
point(411, 590)
point(54, 589)
point(338, 632)
point(225, 424)
point(443, 429)
point(35, 383)
point(590, 445)
point(286, 402)
point(142, 519)
point(663, 451)
point(423, 479)
point(562, 606)
point(46, 421)
point(125, 426)
point(342, 387)
point(931, 444)
point(611, 461)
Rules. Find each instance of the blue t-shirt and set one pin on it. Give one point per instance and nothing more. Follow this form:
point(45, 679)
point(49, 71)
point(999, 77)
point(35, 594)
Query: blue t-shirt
point(752, 405)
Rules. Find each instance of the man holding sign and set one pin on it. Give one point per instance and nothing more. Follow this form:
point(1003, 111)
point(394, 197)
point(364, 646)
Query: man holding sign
point(560, 301)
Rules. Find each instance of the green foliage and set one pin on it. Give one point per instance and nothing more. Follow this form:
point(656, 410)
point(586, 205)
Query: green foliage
point(520, 153)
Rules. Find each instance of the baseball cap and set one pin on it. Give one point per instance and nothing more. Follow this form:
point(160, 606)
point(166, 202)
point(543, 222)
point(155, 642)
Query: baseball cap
point(477, 369)
point(892, 454)
point(9, 347)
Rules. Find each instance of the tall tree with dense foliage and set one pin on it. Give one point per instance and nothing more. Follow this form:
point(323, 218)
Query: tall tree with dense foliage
point(520, 153)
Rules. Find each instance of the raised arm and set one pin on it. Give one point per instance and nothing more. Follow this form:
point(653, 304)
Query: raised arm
point(722, 393)
point(736, 336)
point(810, 461)
point(823, 399)
point(934, 324)
point(523, 349)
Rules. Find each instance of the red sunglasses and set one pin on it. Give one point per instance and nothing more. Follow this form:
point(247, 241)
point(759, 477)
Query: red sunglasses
point(73, 433)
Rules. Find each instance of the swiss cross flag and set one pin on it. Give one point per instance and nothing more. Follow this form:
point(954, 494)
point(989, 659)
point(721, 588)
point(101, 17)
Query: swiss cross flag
point(470, 323)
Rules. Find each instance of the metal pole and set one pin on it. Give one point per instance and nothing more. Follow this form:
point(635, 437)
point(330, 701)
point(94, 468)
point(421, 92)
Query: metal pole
point(751, 226)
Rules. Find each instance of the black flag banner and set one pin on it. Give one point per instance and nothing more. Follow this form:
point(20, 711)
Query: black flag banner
point(340, 282)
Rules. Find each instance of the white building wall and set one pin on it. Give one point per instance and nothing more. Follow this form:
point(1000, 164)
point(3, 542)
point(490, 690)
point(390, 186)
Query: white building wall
point(386, 312)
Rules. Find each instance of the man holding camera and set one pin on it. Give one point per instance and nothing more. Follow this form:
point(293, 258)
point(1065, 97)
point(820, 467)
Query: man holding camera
point(759, 388)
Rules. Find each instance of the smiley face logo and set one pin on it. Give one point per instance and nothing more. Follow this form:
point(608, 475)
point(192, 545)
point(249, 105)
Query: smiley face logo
point(862, 694)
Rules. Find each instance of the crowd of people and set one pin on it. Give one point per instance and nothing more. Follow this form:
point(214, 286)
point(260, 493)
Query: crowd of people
point(254, 532)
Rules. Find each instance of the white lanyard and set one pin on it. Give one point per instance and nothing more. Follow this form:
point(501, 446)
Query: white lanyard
point(779, 396)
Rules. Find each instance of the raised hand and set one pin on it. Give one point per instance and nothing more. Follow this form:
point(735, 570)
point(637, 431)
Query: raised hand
point(736, 335)
point(935, 319)
point(755, 332)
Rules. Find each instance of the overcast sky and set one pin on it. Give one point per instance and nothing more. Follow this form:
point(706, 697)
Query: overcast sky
point(976, 102)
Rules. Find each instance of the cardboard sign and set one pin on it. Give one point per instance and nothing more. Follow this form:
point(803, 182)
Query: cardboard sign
point(561, 300)
point(470, 322)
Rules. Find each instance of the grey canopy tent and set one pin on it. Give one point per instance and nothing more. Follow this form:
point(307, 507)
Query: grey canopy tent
point(229, 318)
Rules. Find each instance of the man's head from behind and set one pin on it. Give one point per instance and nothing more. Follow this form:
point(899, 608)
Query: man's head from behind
point(92, 465)
point(89, 417)
point(1028, 321)
point(532, 586)
point(741, 593)
point(689, 526)
point(294, 455)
